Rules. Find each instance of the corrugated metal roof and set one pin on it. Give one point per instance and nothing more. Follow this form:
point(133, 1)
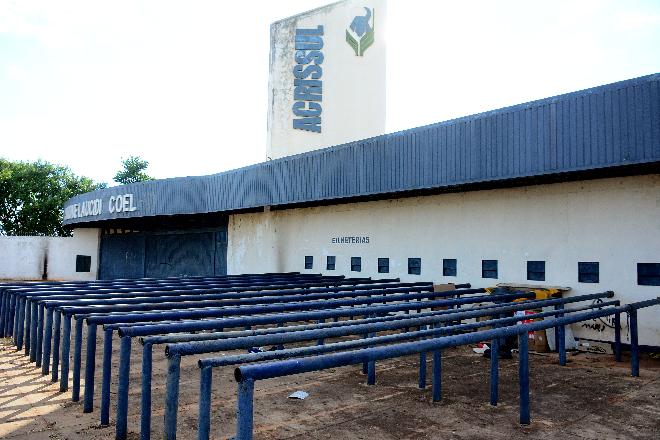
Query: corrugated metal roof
point(608, 126)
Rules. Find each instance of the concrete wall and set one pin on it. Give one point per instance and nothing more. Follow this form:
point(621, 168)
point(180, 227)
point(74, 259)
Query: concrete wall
point(353, 87)
point(24, 258)
point(615, 222)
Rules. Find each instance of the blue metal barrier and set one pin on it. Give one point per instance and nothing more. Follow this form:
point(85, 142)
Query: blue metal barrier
point(246, 375)
point(175, 351)
point(449, 316)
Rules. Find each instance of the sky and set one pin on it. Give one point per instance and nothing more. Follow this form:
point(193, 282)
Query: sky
point(184, 84)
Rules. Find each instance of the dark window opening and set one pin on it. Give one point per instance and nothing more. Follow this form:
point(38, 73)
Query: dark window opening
point(536, 270)
point(488, 268)
point(383, 265)
point(330, 262)
point(648, 274)
point(356, 264)
point(309, 262)
point(83, 263)
point(588, 272)
point(449, 267)
point(414, 266)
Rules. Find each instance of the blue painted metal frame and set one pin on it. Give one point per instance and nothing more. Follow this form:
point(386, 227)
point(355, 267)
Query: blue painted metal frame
point(305, 333)
point(140, 295)
point(450, 315)
point(122, 410)
point(12, 296)
point(246, 375)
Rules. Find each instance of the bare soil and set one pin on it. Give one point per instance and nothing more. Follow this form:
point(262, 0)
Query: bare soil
point(593, 397)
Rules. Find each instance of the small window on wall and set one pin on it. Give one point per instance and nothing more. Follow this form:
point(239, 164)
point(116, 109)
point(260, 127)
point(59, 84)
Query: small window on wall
point(488, 268)
point(309, 262)
point(648, 274)
point(383, 265)
point(536, 270)
point(588, 272)
point(414, 266)
point(449, 267)
point(83, 263)
point(330, 262)
point(356, 264)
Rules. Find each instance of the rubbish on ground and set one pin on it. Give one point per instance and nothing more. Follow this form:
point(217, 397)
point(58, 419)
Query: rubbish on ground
point(300, 395)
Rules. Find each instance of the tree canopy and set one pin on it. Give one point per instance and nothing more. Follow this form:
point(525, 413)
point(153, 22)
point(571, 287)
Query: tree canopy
point(133, 171)
point(32, 195)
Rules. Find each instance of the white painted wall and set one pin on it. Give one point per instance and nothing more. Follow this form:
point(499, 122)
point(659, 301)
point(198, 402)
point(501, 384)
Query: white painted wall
point(22, 258)
point(353, 86)
point(613, 221)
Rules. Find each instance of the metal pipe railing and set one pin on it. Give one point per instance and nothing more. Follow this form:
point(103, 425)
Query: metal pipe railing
point(25, 298)
point(8, 313)
point(207, 364)
point(107, 361)
point(270, 307)
point(152, 298)
point(55, 288)
point(68, 285)
point(92, 346)
point(246, 375)
point(149, 342)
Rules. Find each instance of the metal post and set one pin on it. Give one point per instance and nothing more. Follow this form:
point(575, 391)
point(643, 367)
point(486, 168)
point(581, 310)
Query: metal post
point(105, 381)
point(3, 309)
point(320, 341)
point(4, 296)
point(16, 322)
point(5, 313)
point(48, 337)
point(617, 337)
point(371, 365)
point(34, 339)
point(90, 365)
point(437, 375)
point(523, 377)
point(10, 317)
point(145, 407)
point(21, 324)
point(245, 410)
point(172, 396)
point(371, 373)
point(122, 391)
point(57, 324)
point(77, 355)
point(40, 334)
point(66, 347)
point(556, 332)
point(365, 366)
point(280, 346)
point(28, 326)
point(561, 337)
point(422, 370)
point(494, 371)
point(13, 322)
point(204, 422)
point(634, 344)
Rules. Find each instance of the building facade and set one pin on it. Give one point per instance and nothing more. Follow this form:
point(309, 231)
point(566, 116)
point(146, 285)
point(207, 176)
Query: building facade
point(563, 191)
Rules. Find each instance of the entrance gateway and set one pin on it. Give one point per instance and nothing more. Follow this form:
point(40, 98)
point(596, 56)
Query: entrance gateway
point(159, 253)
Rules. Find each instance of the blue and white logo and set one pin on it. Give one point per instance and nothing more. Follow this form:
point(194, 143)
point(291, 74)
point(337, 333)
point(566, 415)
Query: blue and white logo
point(360, 34)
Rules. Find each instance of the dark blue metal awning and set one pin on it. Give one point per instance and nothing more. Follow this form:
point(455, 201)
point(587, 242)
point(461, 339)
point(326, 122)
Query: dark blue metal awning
point(608, 130)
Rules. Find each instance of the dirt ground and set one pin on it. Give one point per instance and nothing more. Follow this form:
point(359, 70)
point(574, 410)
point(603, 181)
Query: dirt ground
point(591, 398)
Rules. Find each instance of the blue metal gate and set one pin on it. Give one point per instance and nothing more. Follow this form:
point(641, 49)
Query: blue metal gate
point(160, 254)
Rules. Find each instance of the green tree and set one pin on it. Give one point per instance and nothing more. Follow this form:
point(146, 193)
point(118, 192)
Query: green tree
point(133, 171)
point(32, 195)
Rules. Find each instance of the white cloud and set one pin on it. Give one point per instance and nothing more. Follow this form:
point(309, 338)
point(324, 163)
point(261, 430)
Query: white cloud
point(184, 84)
